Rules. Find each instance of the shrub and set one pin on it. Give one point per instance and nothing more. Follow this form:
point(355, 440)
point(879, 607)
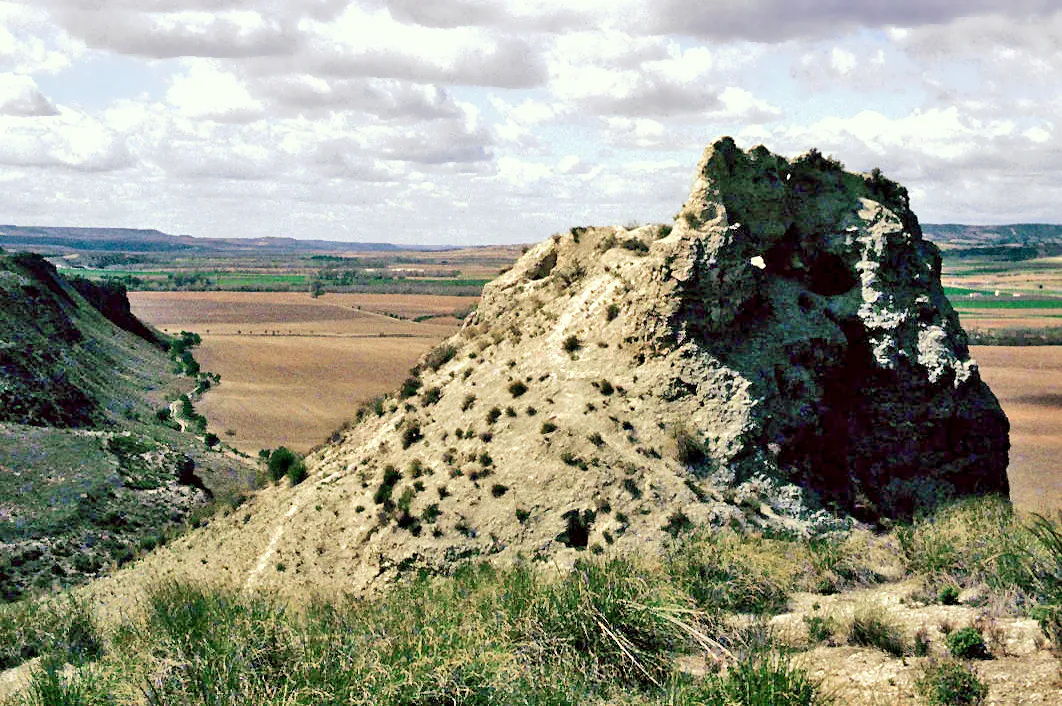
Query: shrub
point(872, 627)
point(280, 461)
point(440, 356)
point(493, 415)
point(411, 435)
point(572, 344)
point(516, 389)
point(948, 595)
point(211, 439)
point(605, 387)
point(967, 643)
point(950, 682)
point(498, 490)
point(820, 628)
point(391, 476)
point(409, 387)
point(297, 472)
point(548, 427)
point(612, 312)
point(635, 245)
point(430, 396)
point(468, 402)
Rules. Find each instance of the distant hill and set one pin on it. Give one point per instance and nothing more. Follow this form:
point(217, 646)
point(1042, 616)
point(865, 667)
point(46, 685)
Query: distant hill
point(955, 235)
point(51, 240)
point(91, 471)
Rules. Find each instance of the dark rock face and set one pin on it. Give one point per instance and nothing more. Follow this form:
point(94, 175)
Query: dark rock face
point(112, 300)
point(816, 286)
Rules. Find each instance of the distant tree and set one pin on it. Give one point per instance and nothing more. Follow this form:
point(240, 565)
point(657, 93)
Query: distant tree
point(316, 288)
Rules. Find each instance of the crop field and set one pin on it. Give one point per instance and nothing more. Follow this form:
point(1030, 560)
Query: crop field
point(1028, 382)
point(294, 368)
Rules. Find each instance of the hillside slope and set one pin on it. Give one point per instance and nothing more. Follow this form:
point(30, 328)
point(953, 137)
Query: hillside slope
point(89, 473)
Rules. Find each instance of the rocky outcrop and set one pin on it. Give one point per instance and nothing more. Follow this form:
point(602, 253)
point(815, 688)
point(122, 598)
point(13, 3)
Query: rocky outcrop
point(782, 355)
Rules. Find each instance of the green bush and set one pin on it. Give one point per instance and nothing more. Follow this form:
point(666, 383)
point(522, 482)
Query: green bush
point(297, 472)
point(572, 344)
point(280, 462)
point(967, 643)
point(948, 595)
point(950, 683)
point(517, 388)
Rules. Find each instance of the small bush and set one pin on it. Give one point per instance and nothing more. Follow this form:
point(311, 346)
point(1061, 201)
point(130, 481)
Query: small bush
point(872, 627)
point(280, 462)
point(440, 356)
point(391, 476)
point(516, 389)
point(548, 427)
point(820, 628)
point(498, 490)
point(635, 245)
point(950, 683)
point(967, 643)
point(430, 396)
point(493, 415)
point(411, 435)
point(612, 312)
point(468, 403)
point(409, 387)
point(948, 595)
point(297, 472)
point(211, 439)
point(572, 344)
point(605, 387)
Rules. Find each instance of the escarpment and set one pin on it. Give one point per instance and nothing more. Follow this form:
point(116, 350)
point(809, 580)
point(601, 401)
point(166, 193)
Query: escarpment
point(782, 355)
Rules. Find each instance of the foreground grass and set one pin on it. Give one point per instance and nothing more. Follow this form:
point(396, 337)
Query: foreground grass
point(651, 631)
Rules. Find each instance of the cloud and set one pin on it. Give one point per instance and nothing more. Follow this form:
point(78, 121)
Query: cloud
point(363, 44)
point(230, 34)
point(205, 92)
point(19, 96)
point(29, 43)
point(69, 140)
point(384, 98)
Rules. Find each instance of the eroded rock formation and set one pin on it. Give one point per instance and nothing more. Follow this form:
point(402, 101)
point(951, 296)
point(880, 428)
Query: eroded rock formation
point(782, 355)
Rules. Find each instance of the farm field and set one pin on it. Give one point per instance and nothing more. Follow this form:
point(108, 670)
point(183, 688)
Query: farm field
point(1027, 380)
point(294, 368)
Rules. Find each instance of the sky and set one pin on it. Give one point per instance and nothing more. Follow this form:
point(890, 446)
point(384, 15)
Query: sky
point(469, 122)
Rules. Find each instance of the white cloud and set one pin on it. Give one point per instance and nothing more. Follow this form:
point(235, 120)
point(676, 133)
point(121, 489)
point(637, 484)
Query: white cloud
point(69, 140)
point(19, 96)
point(206, 92)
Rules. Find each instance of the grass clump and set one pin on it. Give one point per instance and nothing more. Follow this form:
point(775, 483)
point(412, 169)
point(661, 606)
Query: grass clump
point(60, 630)
point(949, 683)
point(871, 626)
point(516, 389)
point(725, 571)
point(572, 344)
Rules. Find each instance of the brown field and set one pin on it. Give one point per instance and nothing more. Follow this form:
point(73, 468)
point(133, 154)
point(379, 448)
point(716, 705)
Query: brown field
point(1028, 382)
point(295, 368)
